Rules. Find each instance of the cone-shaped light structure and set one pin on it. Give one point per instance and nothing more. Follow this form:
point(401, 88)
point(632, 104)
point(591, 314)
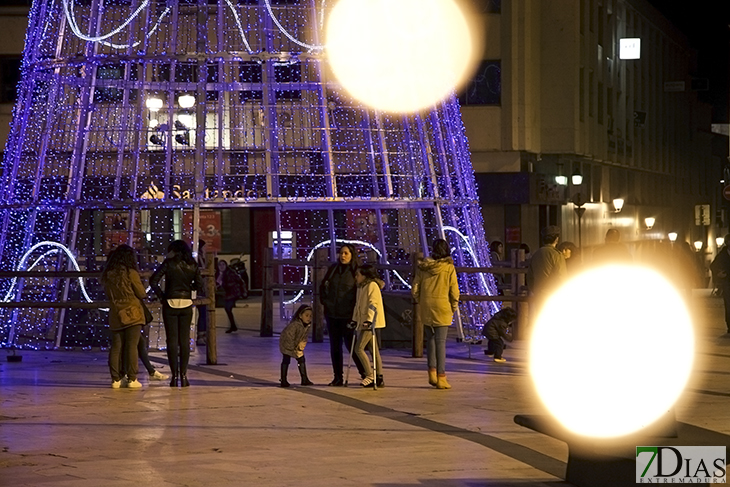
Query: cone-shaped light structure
point(137, 118)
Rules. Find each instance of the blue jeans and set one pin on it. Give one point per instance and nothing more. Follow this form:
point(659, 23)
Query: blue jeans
point(436, 344)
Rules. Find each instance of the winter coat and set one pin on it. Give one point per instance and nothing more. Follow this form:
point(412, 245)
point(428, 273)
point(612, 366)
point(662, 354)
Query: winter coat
point(436, 291)
point(547, 271)
point(124, 288)
point(369, 304)
point(233, 286)
point(293, 338)
point(497, 327)
point(338, 291)
point(720, 266)
point(181, 279)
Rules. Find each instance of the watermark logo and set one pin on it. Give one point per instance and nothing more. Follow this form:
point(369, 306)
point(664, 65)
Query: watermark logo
point(680, 464)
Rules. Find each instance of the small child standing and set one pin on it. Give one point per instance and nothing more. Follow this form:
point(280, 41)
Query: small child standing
point(497, 330)
point(369, 316)
point(292, 341)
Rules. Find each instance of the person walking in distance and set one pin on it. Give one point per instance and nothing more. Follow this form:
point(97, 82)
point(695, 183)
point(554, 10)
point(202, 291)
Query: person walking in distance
point(720, 268)
point(369, 315)
point(612, 250)
point(547, 268)
point(182, 277)
point(123, 287)
point(436, 291)
point(338, 293)
point(292, 341)
point(233, 287)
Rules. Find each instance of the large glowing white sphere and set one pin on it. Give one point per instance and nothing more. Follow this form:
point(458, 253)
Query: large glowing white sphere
point(400, 55)
point(612, 351)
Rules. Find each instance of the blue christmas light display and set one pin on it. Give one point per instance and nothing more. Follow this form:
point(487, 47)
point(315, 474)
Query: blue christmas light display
point(132, 111)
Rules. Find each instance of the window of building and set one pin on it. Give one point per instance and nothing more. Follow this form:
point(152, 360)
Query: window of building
point(485, 88)
point(288, 73)
point(591, 94)
point(10, 76)
point(581, 94)
point(600, 103)
point(107, 94)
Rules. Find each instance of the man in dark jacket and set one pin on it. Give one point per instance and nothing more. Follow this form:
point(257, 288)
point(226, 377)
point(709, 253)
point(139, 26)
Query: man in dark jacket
point(720, 268)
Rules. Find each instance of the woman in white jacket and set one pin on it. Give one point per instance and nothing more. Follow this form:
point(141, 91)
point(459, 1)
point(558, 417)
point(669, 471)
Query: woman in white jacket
point(368, 315)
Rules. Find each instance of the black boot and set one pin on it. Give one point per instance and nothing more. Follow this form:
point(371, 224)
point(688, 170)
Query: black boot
point(284, 372)
point(379, 381)
point(184, 381)
point(174, 380)
point(303, 372)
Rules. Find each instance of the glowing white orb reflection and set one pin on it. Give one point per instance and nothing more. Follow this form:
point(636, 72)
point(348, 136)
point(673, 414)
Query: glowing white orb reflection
point(612, 351)
point(400, 55)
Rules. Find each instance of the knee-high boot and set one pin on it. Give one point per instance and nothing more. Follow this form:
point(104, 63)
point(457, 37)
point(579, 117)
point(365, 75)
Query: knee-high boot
point(284, 372)
point(303, 372)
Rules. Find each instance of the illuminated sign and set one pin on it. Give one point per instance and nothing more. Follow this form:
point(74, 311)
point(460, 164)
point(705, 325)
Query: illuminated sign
point(629, 48)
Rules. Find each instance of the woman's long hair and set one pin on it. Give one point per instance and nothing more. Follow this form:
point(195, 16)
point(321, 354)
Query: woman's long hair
point(122, 257)
point(440, 249)
point(181, 252)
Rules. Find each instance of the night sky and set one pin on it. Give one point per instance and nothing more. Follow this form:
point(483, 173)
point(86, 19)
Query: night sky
point(707, 25)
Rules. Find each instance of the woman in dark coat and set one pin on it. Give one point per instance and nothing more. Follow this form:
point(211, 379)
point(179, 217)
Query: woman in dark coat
point(338, 293)
point(182, 277)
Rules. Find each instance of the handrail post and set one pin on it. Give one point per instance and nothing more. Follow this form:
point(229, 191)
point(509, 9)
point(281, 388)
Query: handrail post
point(267, 301)
point(321, 259)
point(211, 343)
point(417, 344)
point(518, 285)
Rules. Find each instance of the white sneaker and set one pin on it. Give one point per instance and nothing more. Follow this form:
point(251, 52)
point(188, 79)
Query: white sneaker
point(135, 384)
point(500, 360)
point(368, 381)
point(116, 384)
point(158, 376)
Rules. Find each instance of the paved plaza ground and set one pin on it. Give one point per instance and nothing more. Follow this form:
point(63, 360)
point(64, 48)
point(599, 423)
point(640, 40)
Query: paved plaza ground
point(61, 424)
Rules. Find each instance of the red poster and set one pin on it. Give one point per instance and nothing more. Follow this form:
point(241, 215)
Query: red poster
point(116, 231)
point(209, 227)
point(513, 235)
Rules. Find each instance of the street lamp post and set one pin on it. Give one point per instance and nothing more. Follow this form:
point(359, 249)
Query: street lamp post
point(578, 201)
point(579, 210)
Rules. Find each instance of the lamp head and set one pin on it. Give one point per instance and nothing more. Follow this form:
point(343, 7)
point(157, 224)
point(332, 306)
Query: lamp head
point(618, 204)
point(649, 221)
point(672, 236)
point(576, 179)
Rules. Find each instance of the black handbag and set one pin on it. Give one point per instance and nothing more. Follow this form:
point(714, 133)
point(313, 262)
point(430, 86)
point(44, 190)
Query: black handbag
point(148, 318)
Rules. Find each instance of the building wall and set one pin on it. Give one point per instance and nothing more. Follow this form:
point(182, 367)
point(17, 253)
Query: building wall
point(569, 104)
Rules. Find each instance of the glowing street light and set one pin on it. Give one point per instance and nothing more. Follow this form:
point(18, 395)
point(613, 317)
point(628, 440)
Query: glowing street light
point(649, 222)
point(153, 104)
point(698, 245)
point(593, 394)
point(401, 55)
point(186, 101)
point(672, 236)
point(618, 204)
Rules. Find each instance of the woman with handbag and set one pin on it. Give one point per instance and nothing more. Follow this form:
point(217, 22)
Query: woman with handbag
point(124, 289)
point(182, 277)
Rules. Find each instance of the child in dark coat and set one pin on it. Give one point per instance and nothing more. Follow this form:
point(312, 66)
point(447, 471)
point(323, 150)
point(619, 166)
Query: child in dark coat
point(497, 330)
point(292, 341)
